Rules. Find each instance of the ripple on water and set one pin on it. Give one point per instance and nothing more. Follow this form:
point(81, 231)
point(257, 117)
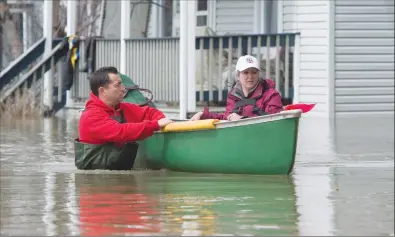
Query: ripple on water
point(339, 187)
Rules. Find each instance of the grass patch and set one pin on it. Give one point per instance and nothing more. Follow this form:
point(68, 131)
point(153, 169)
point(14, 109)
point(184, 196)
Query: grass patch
point(23, 105)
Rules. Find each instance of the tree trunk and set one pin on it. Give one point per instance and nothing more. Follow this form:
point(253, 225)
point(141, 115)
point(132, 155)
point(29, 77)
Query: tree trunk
point(55, 17)
point(12, 39)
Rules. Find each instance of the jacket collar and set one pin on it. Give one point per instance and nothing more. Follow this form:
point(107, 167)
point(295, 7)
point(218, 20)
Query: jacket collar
point(255, 92)
point(95, 102)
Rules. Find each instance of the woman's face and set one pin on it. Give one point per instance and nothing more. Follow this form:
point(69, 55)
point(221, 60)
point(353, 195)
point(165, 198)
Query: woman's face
point(249, 78)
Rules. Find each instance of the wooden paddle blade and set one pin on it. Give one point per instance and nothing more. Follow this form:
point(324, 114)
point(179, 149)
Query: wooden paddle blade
point(304, 107)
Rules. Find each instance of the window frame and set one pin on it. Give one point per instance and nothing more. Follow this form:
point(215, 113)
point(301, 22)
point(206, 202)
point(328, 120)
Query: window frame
point(202, 13)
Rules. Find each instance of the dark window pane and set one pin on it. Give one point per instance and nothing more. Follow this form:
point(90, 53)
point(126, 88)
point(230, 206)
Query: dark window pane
point(177, 6)
point(202, 5)
point(201, 21)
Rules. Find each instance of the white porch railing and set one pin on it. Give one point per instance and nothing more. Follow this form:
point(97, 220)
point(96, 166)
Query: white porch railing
point(154, 64)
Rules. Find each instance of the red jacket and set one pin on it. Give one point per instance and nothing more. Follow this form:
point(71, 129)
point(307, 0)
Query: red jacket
point(97, 127)
point(115, 211)
point(268, 100)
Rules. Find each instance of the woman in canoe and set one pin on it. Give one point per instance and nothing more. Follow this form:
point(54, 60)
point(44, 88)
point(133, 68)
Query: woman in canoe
point(250, 97)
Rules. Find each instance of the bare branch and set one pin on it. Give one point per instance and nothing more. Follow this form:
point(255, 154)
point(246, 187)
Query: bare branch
point(159, 5)
point(83, 27)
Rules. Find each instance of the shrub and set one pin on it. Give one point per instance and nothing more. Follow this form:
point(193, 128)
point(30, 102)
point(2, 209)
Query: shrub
point(24, 104)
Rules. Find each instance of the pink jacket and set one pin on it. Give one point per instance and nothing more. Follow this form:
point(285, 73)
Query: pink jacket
point(265, 99)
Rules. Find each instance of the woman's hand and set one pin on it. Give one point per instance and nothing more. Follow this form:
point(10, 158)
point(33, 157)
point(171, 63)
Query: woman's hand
point(234, 117)
point(197, 116)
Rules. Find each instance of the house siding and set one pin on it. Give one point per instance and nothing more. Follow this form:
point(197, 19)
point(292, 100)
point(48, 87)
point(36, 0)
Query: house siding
point(234, 17)
point(364, 57)
point(310, 18)
point(112, 21)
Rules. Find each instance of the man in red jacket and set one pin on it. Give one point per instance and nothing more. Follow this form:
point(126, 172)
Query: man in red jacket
point(109, 128)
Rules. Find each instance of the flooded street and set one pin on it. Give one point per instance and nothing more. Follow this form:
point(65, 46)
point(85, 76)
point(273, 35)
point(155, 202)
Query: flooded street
point(343, 184)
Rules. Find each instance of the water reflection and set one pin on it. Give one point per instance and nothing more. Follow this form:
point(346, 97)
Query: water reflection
point(370, 137)
point(343, 184)
point(364, 179)
point(313, 181)
point(113, 204)
point(344, 176)
point(49, 217)
point(314, 204)
point(72, 207)
point(41, 145)
point(185, 204)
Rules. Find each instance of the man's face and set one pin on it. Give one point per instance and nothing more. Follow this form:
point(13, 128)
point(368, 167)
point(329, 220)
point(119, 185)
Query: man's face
point(114, 92)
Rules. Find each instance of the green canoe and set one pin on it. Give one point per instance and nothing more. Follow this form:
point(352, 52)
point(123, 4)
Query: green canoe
point(260, 145)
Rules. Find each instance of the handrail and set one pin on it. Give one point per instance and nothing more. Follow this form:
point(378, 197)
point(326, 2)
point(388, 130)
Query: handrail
point(18, 60)
point(23, 61)
point(207, 36)
point(265, 39)
point(45, 64)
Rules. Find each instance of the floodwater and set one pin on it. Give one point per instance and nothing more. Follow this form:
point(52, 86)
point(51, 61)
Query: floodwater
point(343, 184)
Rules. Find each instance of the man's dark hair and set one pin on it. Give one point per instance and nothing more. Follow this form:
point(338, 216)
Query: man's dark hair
point(100, 78)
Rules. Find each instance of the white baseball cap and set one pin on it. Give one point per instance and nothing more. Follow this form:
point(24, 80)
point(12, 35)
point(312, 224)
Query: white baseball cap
point(247, 61)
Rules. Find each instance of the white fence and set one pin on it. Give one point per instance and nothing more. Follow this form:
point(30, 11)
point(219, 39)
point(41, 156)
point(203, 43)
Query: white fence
point(154, 64)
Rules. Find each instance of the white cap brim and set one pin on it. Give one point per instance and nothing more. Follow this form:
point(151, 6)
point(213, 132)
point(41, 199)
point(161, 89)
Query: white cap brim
point(249, 66)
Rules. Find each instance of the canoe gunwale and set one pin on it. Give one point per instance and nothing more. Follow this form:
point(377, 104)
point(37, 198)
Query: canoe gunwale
point(247, 121)
point(261, 119)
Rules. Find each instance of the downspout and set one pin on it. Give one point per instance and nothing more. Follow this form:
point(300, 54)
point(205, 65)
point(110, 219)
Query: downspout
point(331, 61)
point(102, 16)
point(257, 16)
point(266, 18)
point(148, 19)
point(160, 18)
point(280, 16)
point(262, 16)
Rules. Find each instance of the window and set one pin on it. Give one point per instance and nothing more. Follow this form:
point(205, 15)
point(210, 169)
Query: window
point(201, 13)
point(201, 21)
point(202, 5)
point(177, 6)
